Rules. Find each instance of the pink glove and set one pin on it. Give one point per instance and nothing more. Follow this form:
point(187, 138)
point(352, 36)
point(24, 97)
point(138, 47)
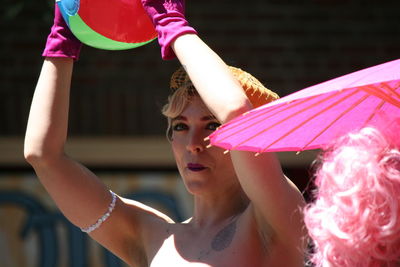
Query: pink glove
point(169, 21)
point(61, 42)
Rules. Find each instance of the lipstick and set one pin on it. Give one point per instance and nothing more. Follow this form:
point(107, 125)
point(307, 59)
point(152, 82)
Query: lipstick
point(195, 167)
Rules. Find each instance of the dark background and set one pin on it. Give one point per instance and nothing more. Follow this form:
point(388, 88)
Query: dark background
point(288, 45)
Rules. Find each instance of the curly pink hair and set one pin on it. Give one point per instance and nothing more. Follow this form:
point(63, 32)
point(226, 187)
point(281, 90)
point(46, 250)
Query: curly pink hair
point(355, 218)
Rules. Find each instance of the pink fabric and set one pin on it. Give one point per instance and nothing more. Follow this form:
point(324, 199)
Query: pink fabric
point(169, 21)
point(61, 42)
point(312, 117)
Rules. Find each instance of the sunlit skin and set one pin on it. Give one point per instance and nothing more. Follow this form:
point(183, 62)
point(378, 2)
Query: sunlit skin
point(220, 202)
point(223, 230)
point(205, 171)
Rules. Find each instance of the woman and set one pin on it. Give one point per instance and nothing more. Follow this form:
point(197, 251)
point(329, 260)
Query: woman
point(246, 212)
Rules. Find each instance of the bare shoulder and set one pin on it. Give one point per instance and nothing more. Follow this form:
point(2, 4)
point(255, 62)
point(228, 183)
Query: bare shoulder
point(147, 214)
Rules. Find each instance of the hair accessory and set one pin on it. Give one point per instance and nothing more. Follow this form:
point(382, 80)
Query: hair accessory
point(257, 93)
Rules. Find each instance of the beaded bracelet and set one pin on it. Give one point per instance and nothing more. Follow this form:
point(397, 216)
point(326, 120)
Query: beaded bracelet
point(102, 218)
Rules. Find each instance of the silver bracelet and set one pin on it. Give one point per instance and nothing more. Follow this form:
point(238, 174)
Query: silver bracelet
point(104, 217)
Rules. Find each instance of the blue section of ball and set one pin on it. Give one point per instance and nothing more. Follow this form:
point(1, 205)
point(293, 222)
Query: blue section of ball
point(69, 7)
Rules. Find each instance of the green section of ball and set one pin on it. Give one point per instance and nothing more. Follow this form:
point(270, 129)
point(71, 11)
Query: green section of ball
point(89, 37)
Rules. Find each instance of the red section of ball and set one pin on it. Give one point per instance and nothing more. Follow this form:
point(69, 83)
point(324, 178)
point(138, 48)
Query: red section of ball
point(120, 20)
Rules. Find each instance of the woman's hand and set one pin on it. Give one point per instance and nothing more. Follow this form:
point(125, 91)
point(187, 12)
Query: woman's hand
point(168, 17)
point(61, 42)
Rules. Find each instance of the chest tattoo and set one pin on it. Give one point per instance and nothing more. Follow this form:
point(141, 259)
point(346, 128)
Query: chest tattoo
point(224, 237)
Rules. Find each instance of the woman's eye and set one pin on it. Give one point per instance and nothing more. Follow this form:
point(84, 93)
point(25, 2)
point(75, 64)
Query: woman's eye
point(179, 127)
point(213, 126)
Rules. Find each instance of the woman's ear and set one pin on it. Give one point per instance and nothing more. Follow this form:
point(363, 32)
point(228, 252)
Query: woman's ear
point(169, 134)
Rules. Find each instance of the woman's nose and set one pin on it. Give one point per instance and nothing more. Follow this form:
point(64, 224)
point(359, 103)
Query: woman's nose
point(195, 144)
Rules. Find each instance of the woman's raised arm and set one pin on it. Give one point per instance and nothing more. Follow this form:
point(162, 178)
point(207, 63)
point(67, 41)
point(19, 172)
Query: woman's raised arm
point(78, 193)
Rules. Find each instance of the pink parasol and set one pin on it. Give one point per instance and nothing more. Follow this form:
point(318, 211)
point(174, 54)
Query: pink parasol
point(312, 117)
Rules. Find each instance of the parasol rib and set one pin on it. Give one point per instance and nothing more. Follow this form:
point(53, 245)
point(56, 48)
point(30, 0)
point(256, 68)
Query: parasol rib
point(383, 94)
point(378, 107)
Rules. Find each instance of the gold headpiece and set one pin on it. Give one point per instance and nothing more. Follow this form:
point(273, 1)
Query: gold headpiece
point(257, 93)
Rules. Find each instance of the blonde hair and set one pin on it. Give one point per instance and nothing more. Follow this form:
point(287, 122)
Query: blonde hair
point(183, 91)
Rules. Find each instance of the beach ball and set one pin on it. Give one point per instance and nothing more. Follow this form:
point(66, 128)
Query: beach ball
point(108, 24)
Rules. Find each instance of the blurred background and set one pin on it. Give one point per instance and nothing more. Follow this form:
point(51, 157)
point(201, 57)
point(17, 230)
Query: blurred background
point(116, 128)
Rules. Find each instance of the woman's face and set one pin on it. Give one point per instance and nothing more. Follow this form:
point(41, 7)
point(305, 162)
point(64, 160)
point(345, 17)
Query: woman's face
point(203, 169)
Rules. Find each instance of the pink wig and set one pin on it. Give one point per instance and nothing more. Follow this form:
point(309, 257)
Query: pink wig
point(355, 218)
